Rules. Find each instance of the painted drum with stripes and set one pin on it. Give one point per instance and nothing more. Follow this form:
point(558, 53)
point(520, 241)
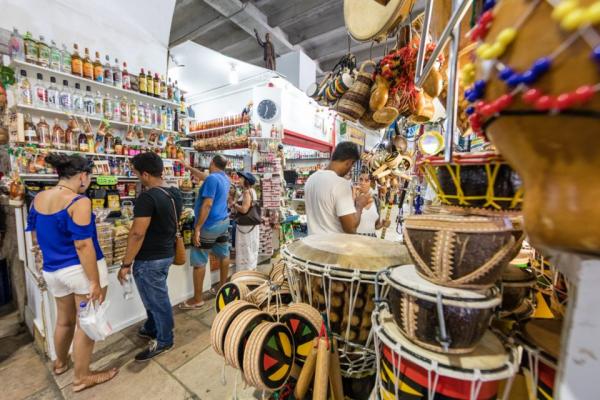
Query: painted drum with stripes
point(540, 339)
point(409, 372)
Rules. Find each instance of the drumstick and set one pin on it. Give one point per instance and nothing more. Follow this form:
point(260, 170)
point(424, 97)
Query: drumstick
point(335, 373)
point(307, 372)
point(322, 371)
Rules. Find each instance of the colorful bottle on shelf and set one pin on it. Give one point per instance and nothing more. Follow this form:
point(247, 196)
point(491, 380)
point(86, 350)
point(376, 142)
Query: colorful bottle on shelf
point(43, 133)
point(170, 90)
point(59, 140)
point(82, 142)
point(31, 50)
point(16, 47)
point(117, 75)
point(148, 117)
point(53, 95)
point(77, 100)
point(98, 69)
point(149, 84)
point(55, 56)
point(98, 105)
point(126, 78)
point(133, 113)
point(30, 135)
point(76, 62)
point(88, 66)
point(116, 107)
point(163, 88)
point(157, 89)
point(88, 101)
point(43, 53)
point(107, 71)
point(65, 98)
point(107, 106)
point(143, 87)
point(65, 61)
point(124, 108)
point(25, 96)
point(40, 98)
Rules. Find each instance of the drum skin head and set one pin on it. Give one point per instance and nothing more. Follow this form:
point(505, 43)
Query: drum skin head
point(370, 19)
point(545, 333)
point(350, 251)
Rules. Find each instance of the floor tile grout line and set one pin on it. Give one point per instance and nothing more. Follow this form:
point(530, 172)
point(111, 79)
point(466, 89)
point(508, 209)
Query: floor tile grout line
point(172, 375)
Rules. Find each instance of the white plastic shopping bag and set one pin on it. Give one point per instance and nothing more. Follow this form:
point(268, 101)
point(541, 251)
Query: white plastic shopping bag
point(94, 321)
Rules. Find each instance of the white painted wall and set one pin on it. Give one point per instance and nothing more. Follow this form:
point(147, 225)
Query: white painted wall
point(229, 104)
point(299, 69)
point(135, 31)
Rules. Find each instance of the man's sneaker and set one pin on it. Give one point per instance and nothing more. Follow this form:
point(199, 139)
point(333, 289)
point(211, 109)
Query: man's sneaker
point(144, 334)
point(152, 351)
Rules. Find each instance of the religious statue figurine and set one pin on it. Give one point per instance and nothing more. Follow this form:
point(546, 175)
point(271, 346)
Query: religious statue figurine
point(268, 50)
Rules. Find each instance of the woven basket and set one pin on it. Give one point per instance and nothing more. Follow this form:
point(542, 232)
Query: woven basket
point(355, 101)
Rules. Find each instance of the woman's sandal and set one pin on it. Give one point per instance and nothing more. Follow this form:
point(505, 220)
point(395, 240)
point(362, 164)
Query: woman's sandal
point(60, 370)
point(96, 378)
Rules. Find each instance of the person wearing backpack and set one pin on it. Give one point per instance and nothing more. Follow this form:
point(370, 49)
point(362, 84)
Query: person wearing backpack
point(248, 219)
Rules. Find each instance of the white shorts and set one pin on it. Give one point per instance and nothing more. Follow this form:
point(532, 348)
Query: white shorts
point(73, 279)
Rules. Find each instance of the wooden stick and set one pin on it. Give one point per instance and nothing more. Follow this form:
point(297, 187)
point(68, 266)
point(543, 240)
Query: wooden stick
point(307, 373)
point(335, 373)
point(322, 371)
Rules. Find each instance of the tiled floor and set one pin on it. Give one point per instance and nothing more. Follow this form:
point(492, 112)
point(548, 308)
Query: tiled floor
point(190, 371)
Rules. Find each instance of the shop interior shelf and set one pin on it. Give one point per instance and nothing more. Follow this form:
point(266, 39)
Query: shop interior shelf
point(84, 153)
point(54, 177)
point(202, 131)
point(95, 86)
point(49, 112)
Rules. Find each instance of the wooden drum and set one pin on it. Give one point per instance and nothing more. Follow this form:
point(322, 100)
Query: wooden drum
point(407, 371)
point(517, 284)
point(415, 302)
point(483, 182)
point(537, 100)
point(335, 273)
point(540, 340)
point(229, 292)
point(460, 251)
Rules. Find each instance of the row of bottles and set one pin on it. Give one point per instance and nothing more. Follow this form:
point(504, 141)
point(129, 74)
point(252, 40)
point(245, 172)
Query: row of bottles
point(76, 138)
point(217, 123)
point(75, 100)
point(38, 52)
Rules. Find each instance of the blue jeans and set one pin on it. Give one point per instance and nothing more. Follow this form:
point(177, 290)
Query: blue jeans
point(151, 280)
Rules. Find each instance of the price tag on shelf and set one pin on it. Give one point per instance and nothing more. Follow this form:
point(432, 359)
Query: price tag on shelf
point(106, 180)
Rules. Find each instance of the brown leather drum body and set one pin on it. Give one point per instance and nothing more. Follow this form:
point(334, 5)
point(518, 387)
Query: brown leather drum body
point(557, 155)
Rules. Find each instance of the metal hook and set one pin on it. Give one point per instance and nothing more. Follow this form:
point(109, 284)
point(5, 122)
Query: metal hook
point(371, 51)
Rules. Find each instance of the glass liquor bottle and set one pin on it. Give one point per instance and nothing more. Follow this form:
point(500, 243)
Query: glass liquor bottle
point(76, 62)
point(43, 53)
point(117, 74)
point(77, 100)
point(65, 62)
point(108, 76)
point(66, 103)
point(31, 50)
point(163, 88)
point(143, 87)
point(88, 101)
point(98, 69)
point(55, 56)
point(126, 77)
point(30, 134)
point(53, 95)
point(16, 47)
point(43, 133)
point(59, 140)
point(88, 66)
point(25, 96)
point(116, 106)
point(149, 84)
point(98, 105)
point(157, 89)
point(40, 92)
point(107, 105)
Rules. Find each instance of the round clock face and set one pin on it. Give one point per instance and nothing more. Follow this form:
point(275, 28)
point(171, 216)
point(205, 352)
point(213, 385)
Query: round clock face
point(267, 110)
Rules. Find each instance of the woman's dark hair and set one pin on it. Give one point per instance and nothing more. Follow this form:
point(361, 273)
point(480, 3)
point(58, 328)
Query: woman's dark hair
point(149, 162)
point(346, 151)
point(67, 166)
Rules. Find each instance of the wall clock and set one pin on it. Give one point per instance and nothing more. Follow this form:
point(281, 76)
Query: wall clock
point(267, 110)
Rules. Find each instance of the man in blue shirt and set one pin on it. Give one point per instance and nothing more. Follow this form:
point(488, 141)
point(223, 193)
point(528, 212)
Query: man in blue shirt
point(210, 228)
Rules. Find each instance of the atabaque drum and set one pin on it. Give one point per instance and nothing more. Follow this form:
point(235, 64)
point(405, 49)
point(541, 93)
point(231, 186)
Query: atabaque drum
point(482, 182)
point(336, 274)
point(540, 339)
point(517, 284)
point(406, 371)
point(545, 76)
point(439, 318)
point(460, 251)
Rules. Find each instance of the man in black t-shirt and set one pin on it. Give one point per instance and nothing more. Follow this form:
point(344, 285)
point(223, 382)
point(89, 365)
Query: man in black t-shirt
point(150, 250)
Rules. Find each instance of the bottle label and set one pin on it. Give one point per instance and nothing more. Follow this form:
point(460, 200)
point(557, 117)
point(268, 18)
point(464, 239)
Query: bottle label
point(126, 82)
point(89, 106)
point(26, 96)
point(107, 75)
point(42, 95)
point(55, 59)
point(156, 89)
point(78, 103)
point(31, 53)
point(44, 56)
point(143, 86)
point(99, 74)
point(88, 70)
point(53, 98)
point(65, 100)
point(66, 63)
point(98, 107)
point(77, 66)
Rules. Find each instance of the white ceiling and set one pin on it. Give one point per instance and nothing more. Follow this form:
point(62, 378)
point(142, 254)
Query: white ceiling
point(203, 71)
